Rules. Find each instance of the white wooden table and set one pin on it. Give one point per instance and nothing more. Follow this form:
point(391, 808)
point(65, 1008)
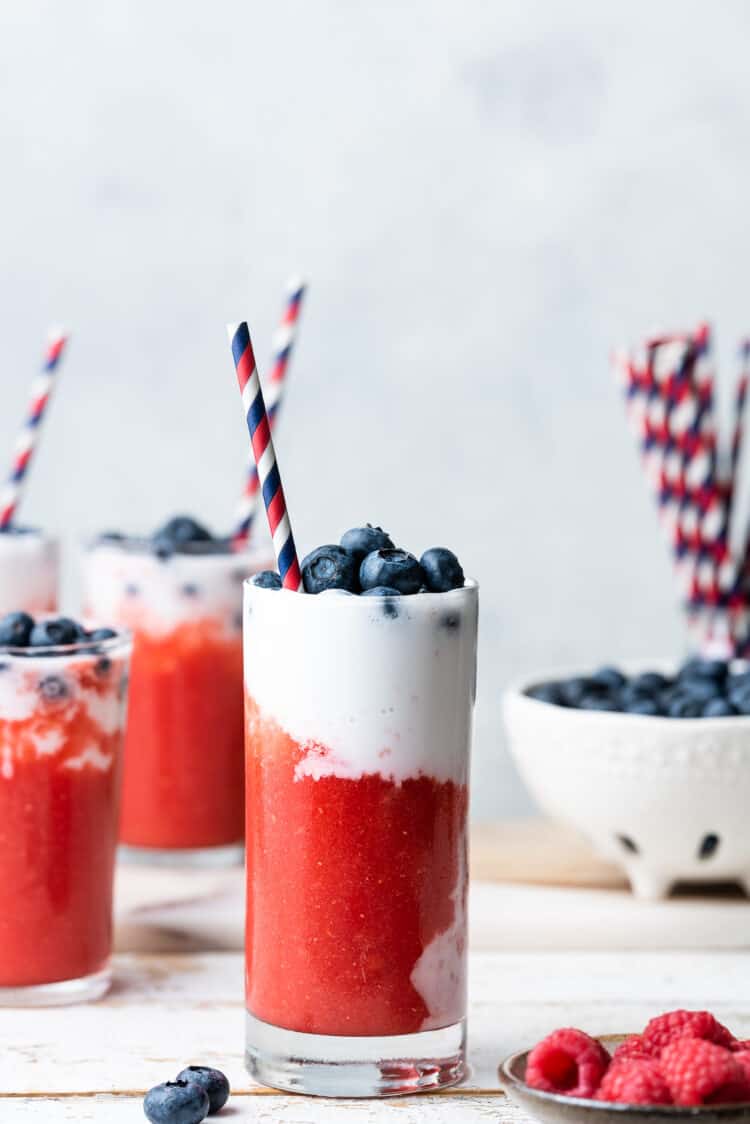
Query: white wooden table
point(541, 957)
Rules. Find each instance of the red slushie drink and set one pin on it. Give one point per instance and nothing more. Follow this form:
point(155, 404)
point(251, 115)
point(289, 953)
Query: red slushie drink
point(358, 720)
point(62, 709)
point(180, 593)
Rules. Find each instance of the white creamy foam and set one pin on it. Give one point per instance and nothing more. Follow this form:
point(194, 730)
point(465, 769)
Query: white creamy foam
point(362, 691)
point(22, 698)
point(134, 587)
point(28, 573)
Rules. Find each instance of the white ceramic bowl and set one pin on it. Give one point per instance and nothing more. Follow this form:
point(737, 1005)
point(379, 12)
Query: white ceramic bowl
point(666, 798)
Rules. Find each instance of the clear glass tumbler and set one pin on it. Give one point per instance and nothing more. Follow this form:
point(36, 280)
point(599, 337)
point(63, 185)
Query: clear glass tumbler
point(62, 714)
point(29, 571)
point(358, 715)
point(183, 787)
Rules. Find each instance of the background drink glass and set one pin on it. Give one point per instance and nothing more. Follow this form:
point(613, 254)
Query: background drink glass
point(28, 571)
point(358, 729)
point(183, 786)
point(62, 712)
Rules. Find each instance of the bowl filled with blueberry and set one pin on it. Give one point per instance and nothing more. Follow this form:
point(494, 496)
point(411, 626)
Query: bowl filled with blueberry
point(651, 762)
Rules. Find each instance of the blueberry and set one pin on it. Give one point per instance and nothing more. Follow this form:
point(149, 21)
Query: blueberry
point(361, 541)
point(643, 705)
point(699, 689)
point(608, 678)
point(441, 570)
point(598, 702)
point(718, 707)
point(394, 568)
point(266, 579)
point(99, 634)
point(740, 699)
point(451, 622)
point(649, 682)
point(682, 706)
point(15, 630)
point(329, 567)
point(189, 590)
point(55, 632)
point(212, 1080)
point(715, 670)
point(181, 530)
point(546, 692)
point(53, 688)
point(572, 691)
point(103, 666)
point(176, 1102)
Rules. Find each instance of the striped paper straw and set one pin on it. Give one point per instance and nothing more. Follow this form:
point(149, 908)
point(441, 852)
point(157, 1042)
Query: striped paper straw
point(41, 389)
point(283, 344)
point(265, 457)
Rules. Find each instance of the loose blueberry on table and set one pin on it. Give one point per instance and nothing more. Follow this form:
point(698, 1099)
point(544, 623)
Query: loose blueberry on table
point(685, 1058)
point(197, 1092)
point(366, 562)
point(699, 689)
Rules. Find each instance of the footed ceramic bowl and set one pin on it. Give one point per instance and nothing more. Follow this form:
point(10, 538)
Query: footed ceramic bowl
point(666, 798)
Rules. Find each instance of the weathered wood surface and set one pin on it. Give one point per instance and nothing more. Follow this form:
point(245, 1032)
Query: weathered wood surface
point(167, 1011)
point(175, 911)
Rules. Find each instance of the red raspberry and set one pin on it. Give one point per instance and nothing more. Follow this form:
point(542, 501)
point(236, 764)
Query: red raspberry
point(567, 1061)
point(741, 1044)
point(684, 1024)
point(700, 1072)
point(743, 1057)
point(632, 1047)
point(634, 1081)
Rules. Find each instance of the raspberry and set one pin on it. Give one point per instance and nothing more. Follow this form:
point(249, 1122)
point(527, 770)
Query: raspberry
point(743, 1057)
point(632, 1047)
point(634, 1081)
point(567, 1061)
point(673, 1025)
point(740, 1044)
point(700, 1072)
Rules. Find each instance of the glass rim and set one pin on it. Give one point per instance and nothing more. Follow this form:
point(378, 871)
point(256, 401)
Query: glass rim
point(142, 545)
point(86, 646)
point(342, 597)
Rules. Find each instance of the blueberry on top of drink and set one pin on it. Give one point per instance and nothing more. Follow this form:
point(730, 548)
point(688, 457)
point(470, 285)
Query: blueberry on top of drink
point(367, 562)
point(699, 689)
point(21, 631)
point(182, 534)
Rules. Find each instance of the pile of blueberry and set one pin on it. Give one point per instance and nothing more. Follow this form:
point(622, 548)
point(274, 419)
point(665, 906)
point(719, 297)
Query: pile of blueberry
point(197, 1092)
point(180, 535)
point(700, 689)
point(20, 630)
point(367, 562)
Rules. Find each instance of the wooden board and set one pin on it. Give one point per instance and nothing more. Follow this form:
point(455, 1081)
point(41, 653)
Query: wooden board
point(539, 852)
point(95, 1062)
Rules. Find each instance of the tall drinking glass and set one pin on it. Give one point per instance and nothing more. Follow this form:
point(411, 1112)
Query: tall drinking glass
point(183, 787)
point(358, 728)
point(62, 713)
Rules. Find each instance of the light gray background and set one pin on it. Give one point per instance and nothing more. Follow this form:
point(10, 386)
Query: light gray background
point(486, 198)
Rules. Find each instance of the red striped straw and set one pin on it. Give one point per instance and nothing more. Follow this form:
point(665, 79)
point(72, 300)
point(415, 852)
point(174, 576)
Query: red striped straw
point(265, 457)
point(41, 390)
point(283, 345)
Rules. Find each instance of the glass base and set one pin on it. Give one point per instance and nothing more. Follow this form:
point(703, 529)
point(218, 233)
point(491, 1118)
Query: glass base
point(326, 1065)
point(203, 858)
point(82, 990)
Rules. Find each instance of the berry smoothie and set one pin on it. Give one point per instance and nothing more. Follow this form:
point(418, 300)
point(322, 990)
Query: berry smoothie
point(28, 571)
point(181, 596)
point(358, 724)
point(62, 709)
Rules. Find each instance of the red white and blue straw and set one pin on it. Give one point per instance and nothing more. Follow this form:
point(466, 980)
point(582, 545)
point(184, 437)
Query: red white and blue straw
point(283, 345)
point(265, 457)
point(41, 390)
